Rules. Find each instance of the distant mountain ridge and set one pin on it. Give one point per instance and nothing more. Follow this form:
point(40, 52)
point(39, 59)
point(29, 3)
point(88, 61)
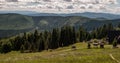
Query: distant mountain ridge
point(85, 14)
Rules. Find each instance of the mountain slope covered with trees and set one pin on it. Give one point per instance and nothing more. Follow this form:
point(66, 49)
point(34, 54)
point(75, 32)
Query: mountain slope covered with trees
point(58, 37)
point(13, 24)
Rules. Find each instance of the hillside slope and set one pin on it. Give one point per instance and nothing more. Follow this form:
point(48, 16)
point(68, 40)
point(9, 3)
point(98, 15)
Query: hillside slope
point(65, 55)
point(15, 22)
point(50, 22)
point(12, 24)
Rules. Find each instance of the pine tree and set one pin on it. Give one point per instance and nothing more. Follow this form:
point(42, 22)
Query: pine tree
point(32, 47)
point(114, 43)
point(110, 27)
point(62, 37)
point(94, 34)
point(77, 36)
point(82, 33)
point(17, 42)
point(22, 49)
point(68, 35)
point(31, 38)
point(41, 43)
point(26, 45)
point(47, 36)
point(55, 39)
point(88, 37)
point(74, 40)
point(119, 25)
point(36, 36)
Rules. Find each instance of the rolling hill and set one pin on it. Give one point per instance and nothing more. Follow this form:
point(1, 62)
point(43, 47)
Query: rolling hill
point(15, 22)
point(50, 22)
point(12, 24)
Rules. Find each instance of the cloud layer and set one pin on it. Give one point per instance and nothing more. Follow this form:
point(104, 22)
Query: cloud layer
point(61, 6)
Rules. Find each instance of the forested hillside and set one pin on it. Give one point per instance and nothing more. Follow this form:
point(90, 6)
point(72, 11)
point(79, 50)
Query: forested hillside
point(13, 24)
point(58, 37)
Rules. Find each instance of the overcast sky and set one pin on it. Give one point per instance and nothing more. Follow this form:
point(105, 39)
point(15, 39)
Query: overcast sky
point(62, 6)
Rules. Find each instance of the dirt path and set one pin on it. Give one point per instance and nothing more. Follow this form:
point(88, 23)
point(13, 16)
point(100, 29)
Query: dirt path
point(113, 58)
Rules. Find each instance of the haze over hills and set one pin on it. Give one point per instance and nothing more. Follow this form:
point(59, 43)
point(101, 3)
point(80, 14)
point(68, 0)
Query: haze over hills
point(85, 14)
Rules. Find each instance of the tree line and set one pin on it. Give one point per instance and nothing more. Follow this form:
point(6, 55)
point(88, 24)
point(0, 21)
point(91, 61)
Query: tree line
point(59, 37)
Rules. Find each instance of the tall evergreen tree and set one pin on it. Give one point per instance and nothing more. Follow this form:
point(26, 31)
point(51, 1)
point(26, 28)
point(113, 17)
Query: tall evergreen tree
point(22, 49)
point(119, 25)
point(82, 33)
point(46, 39)
point(115, 42)
point(55, 39)
point(41, 43)
point(74, 37)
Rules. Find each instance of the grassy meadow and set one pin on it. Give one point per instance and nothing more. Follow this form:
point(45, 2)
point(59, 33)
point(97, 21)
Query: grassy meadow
point(65, 55)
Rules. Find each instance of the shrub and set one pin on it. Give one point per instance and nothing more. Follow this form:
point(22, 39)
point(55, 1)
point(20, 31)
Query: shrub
point(73, 47)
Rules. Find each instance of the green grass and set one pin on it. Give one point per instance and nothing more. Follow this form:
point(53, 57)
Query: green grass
point(64, 55)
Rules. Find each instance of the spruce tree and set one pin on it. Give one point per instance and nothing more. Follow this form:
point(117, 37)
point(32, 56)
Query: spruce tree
point(47, 36)
point(55, 39)
point(22, 49)
point(82, 33)
point(41, 43)
point(119, 25)
point(74, 40)
point(114, 43)
point(62, 37)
